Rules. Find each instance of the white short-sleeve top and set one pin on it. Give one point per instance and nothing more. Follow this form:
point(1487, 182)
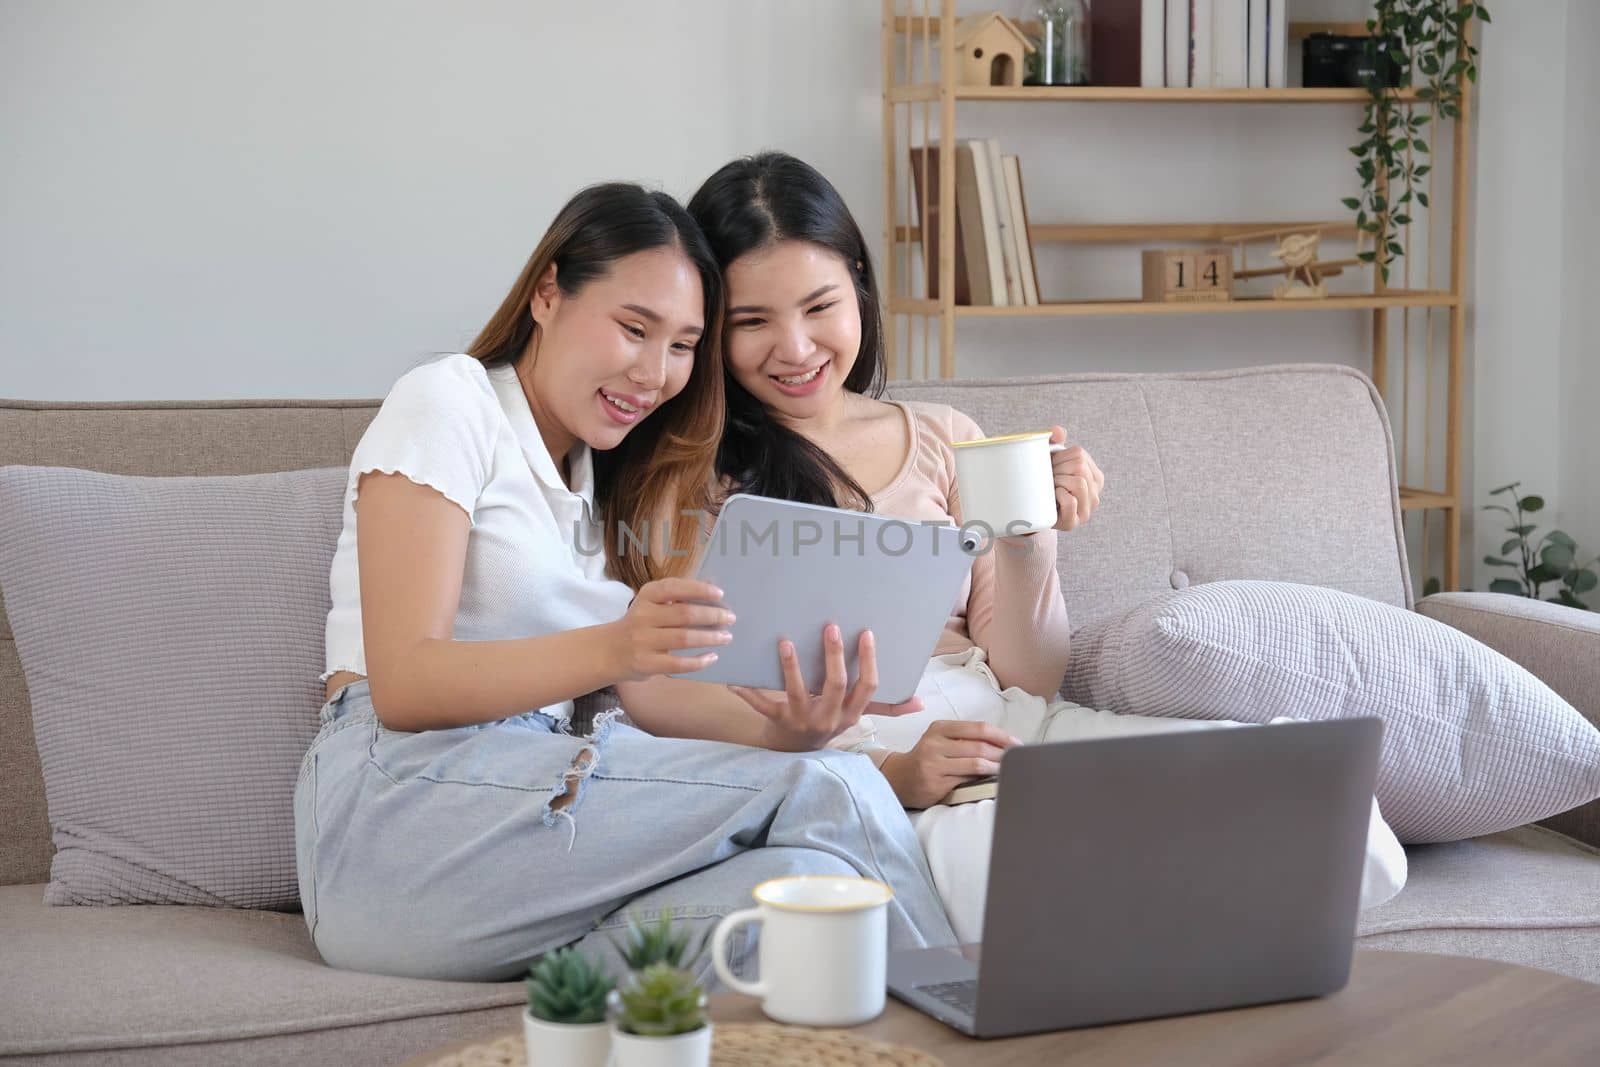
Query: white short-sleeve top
point(535, 561)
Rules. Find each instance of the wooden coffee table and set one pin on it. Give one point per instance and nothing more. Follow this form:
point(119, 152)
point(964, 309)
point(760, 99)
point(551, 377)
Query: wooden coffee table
point(1400, 1007)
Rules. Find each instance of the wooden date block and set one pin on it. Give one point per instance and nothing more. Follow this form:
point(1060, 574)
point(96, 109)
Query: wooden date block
point(1187, 274)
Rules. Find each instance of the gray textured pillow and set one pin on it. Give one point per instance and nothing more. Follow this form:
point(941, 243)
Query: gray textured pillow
point(171, 634)
point(1473, 743)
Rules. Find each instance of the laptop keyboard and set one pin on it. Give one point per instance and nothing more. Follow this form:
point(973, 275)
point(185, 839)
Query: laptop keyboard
point(962, 995)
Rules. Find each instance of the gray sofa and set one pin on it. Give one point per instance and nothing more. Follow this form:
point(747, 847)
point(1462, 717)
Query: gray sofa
point(1282, 473)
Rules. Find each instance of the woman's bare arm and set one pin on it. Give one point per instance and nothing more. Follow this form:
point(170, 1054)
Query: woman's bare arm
point(412, 545)
point(412, 542)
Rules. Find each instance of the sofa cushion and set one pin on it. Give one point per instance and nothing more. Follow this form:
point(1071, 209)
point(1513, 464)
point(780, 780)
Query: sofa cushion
point(228, 985)
point(1473, 743)
point(170, 630)
point(1529, 896)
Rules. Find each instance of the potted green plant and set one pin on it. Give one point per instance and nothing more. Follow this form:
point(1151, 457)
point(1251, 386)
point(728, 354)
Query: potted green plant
point(1433, 38)
point(658, 1019)
point(1553, 558)
point(565, 1024)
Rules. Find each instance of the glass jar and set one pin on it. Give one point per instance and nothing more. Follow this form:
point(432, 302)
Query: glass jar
point(1061, 42)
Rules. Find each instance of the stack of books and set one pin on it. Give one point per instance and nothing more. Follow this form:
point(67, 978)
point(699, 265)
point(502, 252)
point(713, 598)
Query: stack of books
point(1197, 44)
point(993, 253)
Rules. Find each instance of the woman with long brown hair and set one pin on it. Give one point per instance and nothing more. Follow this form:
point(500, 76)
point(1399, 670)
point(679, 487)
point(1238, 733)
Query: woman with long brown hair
point(449, 821)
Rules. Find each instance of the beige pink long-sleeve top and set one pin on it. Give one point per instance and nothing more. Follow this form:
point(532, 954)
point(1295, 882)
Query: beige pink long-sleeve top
point(1010, 605)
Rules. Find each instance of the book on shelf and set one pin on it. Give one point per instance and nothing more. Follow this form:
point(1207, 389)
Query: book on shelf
point(1005, 228)
point(973, 248)
point(1202, 56)
point(986, 222)
point(1152, 43)
point(929, 222)
point(1256, 53)
point(993, 253)
point(1118, 42)
point(1277, 44)
point(1012, 167)
point(1178, 12)
point(1230, 34)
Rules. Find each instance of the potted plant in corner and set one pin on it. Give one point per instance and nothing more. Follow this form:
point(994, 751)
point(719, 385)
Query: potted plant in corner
point(658, 1019)
point(564, 1024)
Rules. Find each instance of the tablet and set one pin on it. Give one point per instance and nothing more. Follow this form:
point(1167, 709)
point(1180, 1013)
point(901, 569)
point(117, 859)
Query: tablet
point(788, 569)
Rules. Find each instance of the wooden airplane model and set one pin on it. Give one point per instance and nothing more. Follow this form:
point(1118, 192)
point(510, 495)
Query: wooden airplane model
point(1297, 253)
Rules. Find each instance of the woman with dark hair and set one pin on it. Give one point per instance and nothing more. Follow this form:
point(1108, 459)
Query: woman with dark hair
point(805, 362)
point(449, 822)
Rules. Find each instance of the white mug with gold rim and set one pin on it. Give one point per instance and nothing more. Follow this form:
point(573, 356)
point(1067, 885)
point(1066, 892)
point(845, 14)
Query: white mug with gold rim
point(1007, 483)
point(824, 949)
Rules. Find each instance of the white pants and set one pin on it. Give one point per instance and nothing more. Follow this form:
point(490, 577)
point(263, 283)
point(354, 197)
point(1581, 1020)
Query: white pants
point(956, 838)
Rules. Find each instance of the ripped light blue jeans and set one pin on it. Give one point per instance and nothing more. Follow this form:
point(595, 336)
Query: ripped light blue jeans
point(442, 855)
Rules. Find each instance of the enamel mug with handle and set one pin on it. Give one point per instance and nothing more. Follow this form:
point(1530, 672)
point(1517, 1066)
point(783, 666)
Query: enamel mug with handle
point(1007, 483)
point(824, 949)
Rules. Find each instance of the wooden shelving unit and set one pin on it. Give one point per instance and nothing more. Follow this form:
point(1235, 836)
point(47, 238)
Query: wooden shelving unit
point(919, 82)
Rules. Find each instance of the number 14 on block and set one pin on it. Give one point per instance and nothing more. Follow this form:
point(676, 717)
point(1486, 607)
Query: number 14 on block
point(1185, 274)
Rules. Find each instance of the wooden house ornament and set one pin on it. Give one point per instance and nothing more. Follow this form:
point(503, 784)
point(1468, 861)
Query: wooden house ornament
point(990, 50)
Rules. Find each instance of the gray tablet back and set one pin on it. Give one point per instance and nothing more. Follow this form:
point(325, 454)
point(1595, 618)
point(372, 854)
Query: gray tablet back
point(787, 569)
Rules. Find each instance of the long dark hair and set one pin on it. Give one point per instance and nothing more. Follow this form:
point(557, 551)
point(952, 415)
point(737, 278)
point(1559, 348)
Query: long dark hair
point(669, 456)
point(750, 204)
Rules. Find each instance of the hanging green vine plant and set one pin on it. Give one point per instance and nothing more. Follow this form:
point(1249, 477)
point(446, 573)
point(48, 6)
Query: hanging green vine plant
point(1427, 37)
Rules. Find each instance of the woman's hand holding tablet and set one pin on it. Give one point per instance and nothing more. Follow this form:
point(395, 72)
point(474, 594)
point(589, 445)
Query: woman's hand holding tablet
point(800, 721)
point(667, 615)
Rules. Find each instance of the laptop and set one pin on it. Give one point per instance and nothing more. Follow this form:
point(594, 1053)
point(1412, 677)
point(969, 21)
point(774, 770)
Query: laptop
point(1166, 874)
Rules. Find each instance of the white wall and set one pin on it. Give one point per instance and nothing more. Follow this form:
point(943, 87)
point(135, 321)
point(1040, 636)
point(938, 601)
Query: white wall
point(302, 199)
point(1535, 380)
point(1577, 509)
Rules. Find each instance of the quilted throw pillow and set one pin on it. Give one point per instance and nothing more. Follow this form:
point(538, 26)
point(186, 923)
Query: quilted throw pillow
point(1473, 743)
point(171, 634)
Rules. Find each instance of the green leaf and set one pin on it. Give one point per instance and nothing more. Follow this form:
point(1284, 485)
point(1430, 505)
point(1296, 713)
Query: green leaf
point(1472, 72)
point(1431, 586)
point(1523, 530)
point(1352, 203)
point(1504, 488)
point(1483, 13)
point(1422, 146)
point(1558, 557)
point(1541, 573)
point(1506, 585)
point(1494, 561)
point(1531, 503)
point(1394, 246)
point(1509, 545)
point(1559, 538)
point(1423, 170)
point(1422, 198)
point(1585, 581)
point(1401, 220)
point(1365, 257)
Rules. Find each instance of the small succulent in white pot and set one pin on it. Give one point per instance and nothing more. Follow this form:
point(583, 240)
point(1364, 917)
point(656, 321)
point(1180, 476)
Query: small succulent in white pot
point(565, 1024)
point(658, 1019)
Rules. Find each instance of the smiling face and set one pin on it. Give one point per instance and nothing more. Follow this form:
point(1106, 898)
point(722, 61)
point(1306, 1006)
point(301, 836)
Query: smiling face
point(794, 327)
point(614, 351)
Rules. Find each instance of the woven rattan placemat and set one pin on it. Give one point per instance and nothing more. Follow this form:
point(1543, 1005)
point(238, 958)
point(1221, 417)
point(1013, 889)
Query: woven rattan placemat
point(740, 1045)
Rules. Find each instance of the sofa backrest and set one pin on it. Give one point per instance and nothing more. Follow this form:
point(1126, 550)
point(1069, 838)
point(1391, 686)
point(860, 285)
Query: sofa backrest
point(1280, 472)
